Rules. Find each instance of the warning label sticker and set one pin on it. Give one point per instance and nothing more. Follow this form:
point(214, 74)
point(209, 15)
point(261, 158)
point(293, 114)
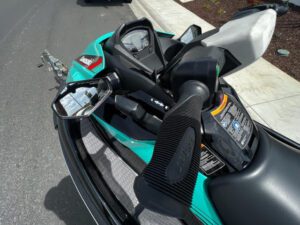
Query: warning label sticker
point(209, 162)
point(235, 121)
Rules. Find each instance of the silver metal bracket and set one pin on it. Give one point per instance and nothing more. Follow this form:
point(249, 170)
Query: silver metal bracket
point(59, 69)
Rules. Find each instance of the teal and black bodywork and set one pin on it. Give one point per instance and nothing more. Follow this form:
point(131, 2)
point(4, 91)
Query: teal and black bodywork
point(78, 72)
point(172, 143)
point(201, 204)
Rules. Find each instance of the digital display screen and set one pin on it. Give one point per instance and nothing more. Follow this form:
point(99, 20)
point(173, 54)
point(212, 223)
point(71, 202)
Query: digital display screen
point(136, 41)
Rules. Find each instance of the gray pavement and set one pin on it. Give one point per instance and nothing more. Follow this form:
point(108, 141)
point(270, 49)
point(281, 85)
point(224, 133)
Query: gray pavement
point(35, 187)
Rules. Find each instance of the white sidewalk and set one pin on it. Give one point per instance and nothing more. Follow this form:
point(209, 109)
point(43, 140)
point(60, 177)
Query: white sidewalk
point(270, 95)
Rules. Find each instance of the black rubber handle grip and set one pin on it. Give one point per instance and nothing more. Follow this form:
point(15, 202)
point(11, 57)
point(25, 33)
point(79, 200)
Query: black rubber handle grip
point(280, 9)
point(167, 184)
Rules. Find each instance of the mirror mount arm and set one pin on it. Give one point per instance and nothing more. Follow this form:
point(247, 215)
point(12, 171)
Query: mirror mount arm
point(59, 69)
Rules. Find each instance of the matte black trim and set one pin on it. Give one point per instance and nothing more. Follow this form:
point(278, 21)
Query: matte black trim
point(93, 200)
point(115, 46)
point(99, 208)
point(279, 136)
point(125, 124)
point(230, 64)
point(266, 192)
point(132, 80)
point(196, 42)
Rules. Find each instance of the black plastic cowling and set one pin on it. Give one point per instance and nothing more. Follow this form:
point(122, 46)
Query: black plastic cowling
point(167, 184)
point(267, 191)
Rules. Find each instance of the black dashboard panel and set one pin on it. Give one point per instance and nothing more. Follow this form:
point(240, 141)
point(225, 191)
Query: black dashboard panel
point(137, 46)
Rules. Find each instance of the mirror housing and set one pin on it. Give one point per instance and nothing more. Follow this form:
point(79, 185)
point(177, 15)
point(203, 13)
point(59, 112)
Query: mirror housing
point(80, 99)
point(190, 34)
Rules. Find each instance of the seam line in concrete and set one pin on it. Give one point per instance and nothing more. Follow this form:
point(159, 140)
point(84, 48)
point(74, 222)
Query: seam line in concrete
point(274, 100)
point(257, 115)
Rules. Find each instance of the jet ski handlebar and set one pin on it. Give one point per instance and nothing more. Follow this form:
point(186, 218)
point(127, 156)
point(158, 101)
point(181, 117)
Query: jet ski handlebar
point(166, 185)
point(280, 9)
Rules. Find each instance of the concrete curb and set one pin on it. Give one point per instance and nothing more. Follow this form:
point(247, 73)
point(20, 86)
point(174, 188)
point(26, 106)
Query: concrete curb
point(271, 96)
point(169, 15)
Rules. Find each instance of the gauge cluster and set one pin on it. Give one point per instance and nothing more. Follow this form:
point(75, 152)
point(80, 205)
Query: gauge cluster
point(136, 40)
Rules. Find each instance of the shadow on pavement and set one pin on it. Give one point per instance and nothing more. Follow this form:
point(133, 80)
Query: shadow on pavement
point(66, 203)
point(99, 3)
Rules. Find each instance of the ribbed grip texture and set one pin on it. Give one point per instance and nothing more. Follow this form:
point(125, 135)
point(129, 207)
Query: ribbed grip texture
point(184, 117)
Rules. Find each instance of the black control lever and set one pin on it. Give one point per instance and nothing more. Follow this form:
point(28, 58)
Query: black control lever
point(167, 184)
point(137, 113)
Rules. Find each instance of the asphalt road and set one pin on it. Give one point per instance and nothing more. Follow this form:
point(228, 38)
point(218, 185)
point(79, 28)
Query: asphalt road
point(35, 187)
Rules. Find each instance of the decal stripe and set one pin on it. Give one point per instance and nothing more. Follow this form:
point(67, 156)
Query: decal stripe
point(221, 107)
point(97, 63)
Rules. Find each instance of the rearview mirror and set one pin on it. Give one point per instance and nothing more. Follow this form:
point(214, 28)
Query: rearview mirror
point(190, 34)
point(81, 99)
